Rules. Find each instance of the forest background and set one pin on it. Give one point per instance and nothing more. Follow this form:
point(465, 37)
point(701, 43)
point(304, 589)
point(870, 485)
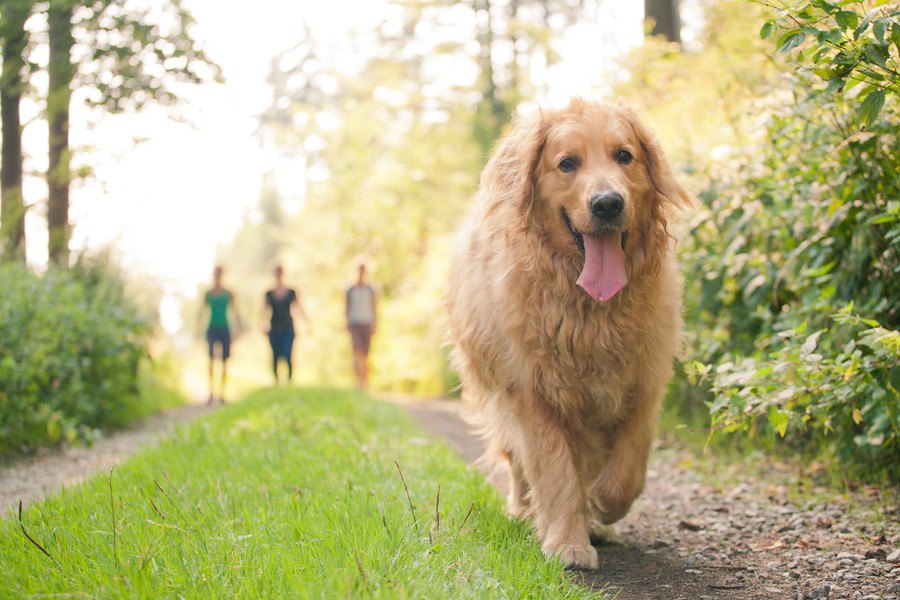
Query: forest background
point(781, 115)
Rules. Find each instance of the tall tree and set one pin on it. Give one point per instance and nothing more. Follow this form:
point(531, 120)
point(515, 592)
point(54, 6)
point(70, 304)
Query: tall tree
point(665, 18)
point(12, 204)
point(60, 72)
point(132, 58)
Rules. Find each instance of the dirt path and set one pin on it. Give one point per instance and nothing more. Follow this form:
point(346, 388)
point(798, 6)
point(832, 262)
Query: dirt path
point(32, 478)
point(687, 538)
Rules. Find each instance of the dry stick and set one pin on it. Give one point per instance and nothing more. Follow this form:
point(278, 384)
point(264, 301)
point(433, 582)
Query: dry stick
point(408, 498)
point(437, 511)
point(172, 502)
point(152, 503)
point(359, 566)
point(112, 507)
point(468, 514)
point(725, 587)
point(33, 541)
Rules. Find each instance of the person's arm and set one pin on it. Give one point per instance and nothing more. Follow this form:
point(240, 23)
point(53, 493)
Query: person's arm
point(239, 326)
point(297, 302)
point(200, 313)
point(347, 307)
point(374, 309)
point(264, 315)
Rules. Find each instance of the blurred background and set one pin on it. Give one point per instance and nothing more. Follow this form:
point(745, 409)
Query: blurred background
point(160, 138)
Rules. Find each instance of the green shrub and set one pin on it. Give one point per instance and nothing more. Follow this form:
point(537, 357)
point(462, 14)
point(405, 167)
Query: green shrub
point(70, 348)
point(793, 271)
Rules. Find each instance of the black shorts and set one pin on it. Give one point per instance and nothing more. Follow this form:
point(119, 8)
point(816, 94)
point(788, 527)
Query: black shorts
point(221, 336)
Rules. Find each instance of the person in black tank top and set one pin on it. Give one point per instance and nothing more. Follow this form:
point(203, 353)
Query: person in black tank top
point(280, 301)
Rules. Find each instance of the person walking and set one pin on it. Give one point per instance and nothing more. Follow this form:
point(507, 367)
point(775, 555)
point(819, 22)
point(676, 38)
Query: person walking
point(361, 314)
point(220, 302)
point(280, 301)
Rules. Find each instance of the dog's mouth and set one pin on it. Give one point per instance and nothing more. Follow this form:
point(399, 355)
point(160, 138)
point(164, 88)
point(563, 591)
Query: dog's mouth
point(603, 275)
point(578, 237)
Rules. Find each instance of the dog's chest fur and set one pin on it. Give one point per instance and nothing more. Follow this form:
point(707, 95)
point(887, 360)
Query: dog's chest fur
point(589, 358)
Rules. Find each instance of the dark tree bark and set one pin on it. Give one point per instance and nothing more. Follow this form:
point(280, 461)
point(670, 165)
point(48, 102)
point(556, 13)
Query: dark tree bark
point(12, 204)
point(60, 72)
point(666, 21)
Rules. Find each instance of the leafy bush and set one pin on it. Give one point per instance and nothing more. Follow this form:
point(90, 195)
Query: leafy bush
point(70, 348)
point(794, 294)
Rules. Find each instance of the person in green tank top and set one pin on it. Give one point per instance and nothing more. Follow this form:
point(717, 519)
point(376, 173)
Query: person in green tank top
point(218, 301)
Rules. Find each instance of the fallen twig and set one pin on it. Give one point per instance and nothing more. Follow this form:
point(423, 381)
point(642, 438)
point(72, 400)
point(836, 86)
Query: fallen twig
point(33, 541)
point(468, 514)
point(359, 565)
point(437, 511)
point(726, 586)
point(408, 498)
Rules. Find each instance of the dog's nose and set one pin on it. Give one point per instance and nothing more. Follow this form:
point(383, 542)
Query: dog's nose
point(606, 206)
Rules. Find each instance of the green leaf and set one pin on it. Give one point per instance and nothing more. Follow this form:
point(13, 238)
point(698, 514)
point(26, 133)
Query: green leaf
point(790, 40)
point(876, 54)
point(767, 29)
point(834, 85)
point(847, 19)
point(778, 419)
point(878, 29)
point(871, 107)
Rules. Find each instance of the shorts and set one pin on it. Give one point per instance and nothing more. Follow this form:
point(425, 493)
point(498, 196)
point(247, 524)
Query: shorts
point(361, 336)
point(282, 342)
point(219, 335)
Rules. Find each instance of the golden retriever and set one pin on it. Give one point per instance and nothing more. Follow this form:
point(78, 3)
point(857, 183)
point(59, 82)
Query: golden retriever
point(565, 310)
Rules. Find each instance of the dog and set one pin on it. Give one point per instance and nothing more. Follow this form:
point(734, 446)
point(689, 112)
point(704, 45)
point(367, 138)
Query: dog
point(564, 310)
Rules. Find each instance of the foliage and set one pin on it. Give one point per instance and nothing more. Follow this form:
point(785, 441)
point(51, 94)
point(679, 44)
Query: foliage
point(846, 44)
point(313, 505)
point(793, 267)
point(71, 345)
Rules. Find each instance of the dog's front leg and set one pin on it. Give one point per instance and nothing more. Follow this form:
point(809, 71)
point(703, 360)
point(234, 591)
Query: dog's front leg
point(621, 479)
point(557, 495)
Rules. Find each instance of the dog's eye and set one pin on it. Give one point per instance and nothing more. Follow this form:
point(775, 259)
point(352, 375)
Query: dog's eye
point(568, 164)
point(623, 157)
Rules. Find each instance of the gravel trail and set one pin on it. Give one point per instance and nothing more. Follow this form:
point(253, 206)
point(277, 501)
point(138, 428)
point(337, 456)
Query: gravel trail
point(693, 536)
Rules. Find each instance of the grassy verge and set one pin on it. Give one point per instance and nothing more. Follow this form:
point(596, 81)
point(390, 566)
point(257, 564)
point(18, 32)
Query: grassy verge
point(291, 493)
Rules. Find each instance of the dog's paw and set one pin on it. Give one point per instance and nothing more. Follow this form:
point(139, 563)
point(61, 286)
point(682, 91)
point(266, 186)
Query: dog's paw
point(574, 556)
point(517, 509)
point(605, 534)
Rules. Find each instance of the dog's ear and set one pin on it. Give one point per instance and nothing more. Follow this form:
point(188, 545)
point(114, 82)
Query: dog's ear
point(510, 174)
point(669, 190)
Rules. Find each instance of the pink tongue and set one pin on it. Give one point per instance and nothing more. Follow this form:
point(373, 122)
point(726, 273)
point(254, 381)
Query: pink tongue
point(604, 266)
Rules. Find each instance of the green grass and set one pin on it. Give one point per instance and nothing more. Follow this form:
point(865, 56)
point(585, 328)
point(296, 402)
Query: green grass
point(291, 493)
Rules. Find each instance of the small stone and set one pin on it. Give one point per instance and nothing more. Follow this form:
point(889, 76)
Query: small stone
point(894, 589)
point(848, 556)
point(894, 557)
point(821, 592)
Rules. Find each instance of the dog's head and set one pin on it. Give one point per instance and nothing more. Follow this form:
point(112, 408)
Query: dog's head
point(589, 178)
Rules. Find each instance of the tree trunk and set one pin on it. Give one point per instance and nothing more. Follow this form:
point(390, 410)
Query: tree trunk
point(665, 18)
point(12, 204)
point(60, 73)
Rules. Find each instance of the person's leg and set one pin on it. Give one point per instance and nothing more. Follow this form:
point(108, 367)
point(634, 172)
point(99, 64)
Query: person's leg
point(273, 343)
point(224, 373)
point(358, 360)
point(226, 353)
point(288, 354)
point(364, 368)
point(210, 340)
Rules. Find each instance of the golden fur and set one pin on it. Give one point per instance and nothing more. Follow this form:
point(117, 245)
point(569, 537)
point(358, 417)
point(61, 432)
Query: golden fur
point(566, 389)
